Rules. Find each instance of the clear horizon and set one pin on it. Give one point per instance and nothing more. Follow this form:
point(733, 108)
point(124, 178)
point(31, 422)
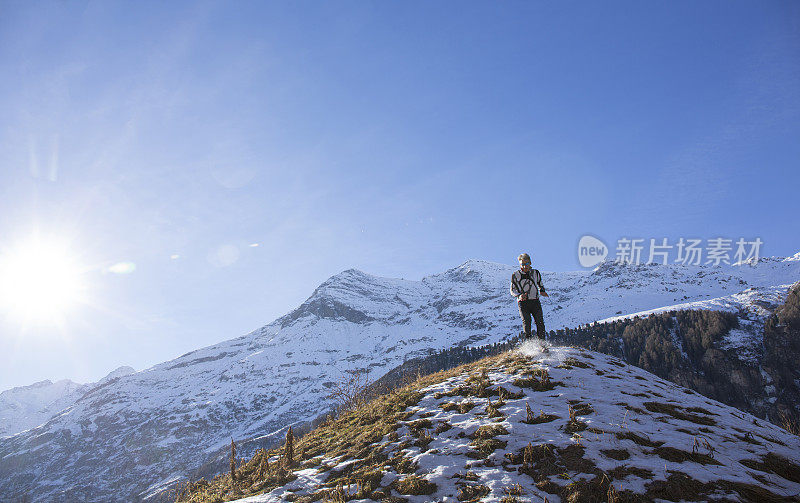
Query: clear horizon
point(207, 165)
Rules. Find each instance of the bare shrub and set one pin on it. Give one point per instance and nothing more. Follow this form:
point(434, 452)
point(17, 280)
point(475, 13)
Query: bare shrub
point(351, 390)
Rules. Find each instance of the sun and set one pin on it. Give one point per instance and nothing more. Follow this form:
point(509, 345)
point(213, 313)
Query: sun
point(40, 282)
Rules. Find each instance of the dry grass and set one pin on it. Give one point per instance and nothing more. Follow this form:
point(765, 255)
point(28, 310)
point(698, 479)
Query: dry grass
point(441, 427)
point(618, 454)
point(537, 380)
point(773, 463)
point(573, 362)
point(466, 406)
point(489, 431)
point(638, 439)
point(679, 412)
point(541, 418)
point(484, 447)
point(681, 487)
point(472, 493)
point(680, 456)
point(631, 408)
point(462, 407)
point(493, 409)
point(514, 490)
point(477, 385)
point(470, 476)
point(505, 394)
point(580, 408)
point(620, 472)
point(749, 438)
point(354, 434)
point(415, 485)
point(574, 425)
point(423, 440)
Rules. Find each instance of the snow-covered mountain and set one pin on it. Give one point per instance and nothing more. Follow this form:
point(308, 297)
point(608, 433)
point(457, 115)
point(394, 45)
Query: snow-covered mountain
point(131, 436)
point(569, 425)
point(24, 407)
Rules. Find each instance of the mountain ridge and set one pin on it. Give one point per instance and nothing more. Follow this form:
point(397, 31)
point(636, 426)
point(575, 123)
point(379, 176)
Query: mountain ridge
point(24, 407)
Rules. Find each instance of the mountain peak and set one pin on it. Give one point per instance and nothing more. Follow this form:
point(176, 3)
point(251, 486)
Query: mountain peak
point(39, 384)
point(472, 271)
point(474, 262)
point(119, 372)
point(351, 275)
point(25, 407)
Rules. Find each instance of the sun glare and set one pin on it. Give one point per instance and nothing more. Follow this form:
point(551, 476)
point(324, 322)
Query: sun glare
point(39, 282)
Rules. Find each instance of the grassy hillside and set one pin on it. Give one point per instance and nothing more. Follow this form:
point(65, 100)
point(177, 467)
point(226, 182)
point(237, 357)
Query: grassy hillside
point(352, 435)
point(522, 426)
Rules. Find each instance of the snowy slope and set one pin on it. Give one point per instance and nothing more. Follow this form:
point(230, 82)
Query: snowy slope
point(147, 429)
point(644, 437)
point(24, 407)
point(755, 302)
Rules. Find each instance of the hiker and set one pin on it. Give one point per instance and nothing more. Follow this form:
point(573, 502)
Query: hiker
point(526, 286)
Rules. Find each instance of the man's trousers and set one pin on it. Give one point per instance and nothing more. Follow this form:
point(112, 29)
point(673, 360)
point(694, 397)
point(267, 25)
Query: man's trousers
point(533, 307)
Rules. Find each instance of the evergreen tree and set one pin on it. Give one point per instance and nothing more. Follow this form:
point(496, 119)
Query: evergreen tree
point(289, 450)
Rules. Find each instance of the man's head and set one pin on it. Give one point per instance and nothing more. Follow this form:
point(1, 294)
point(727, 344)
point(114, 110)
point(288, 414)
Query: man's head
point(524, 261)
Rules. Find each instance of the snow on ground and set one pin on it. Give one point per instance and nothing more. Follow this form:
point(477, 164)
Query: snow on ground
point(634, 427)
point(756, 302)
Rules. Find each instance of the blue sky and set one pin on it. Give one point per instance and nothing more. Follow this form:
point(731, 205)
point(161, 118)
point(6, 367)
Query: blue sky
point(399, 138)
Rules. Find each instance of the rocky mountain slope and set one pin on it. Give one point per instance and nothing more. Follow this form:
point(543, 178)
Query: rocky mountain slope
point(24, 407)
point(569, 425)
point(131, 437)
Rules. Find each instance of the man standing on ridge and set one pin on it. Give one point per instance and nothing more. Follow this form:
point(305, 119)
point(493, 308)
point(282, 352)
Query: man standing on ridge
point(526, 286)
